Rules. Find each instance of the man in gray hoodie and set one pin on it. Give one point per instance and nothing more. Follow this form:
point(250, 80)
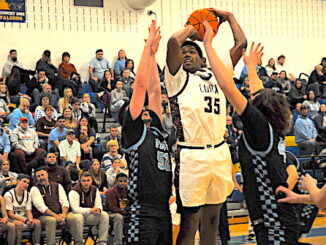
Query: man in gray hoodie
point(25, 143)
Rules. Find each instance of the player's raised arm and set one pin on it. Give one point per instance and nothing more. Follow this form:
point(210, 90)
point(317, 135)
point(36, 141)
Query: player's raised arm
point(240, 41)
point(143, 72)
point(174, 53)
point(222, 74)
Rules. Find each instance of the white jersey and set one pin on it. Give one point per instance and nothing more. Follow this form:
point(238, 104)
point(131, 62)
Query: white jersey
point(18, 204)
point(198, 106)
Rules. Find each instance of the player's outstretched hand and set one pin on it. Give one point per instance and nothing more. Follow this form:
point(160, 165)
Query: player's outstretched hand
point(154, 37)
point(209, 33)
point(255, 53)
point(306, 182)
point(291, 197)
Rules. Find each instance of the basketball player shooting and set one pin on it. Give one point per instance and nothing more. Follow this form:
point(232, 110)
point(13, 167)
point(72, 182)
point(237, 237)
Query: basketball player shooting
point(198, 106)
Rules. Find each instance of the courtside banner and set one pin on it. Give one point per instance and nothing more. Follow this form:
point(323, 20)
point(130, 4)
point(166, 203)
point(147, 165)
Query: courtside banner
point(12, 10)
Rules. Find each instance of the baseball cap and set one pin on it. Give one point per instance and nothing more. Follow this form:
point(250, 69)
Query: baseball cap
point(71, 131)
point(74, 100)
point(274, 73)
point(23, 119)
point(303, 107)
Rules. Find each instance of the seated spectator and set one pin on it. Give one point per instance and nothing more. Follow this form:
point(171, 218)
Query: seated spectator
point(91, 135)
point(312, 103)
point(280, 66)
point(46, 90)
point(19, 208)
point(70, 123)
point(99, 176)
point(21, 111)
point(113, 147)
point(273, 83)
point(270, 67)
point(44, 125)
point(118, 166)
point(4, 142)
point(83, 139)
point(70, 149)
point(7, 178)
point(245, 88)
point(97, 67)
point(4, 94)
point(126, 80)
point(6, 225)
point(116, 203)
point(40, 110)
point(89, 110)
point(50, 200)
point(16, 83)
point(262, 73)
point(317, 81)
point(66, 68)
point(305, 132)
point(120, 63)
point(107, 85)
point(114, 134)
point(167, 122)
point(323, 64)
point(65, 101)
point(25, 143)
point(297, 94)
point(130, 65)
point(296, 112)
point(11, 62)
point(77, 113)
point(4, 110)
point(57, 134)
point(86, 204)
point(118, 97)
point(57, 173)
point(320, 123)
point(36, 83)
point(285, 82)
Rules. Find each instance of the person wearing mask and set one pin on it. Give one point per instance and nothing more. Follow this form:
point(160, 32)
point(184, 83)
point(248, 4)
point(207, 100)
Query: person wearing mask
point(86, 204)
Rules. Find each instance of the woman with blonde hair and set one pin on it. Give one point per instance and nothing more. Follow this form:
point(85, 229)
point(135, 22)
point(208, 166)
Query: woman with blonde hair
point(65, 101)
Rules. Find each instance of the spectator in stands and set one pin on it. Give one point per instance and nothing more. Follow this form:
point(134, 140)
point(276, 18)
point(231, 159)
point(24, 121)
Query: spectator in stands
point(21, 111)
point(167, 122)
point(50, 199)
point(34, 86)
point(120, 63)
point(65, 101)
point(47, 90)
point(297, 94)
point(83, 138)
point(12, 61)
point(99, 176)
point(245, 88)
point(66, 68)
point(71, 122)
point(296, 112)
point(7, 178)
point(4, 94)
point(4, 142)
point(44, 64)
point(45, 124)
point(312, 103)
point(317, 81)
point(113, 147)
point(107, 82)
point(91, 136)
point(25, 142)
point(270, 67)
point(320, 123)
point(280, 66)
point(57, 173)
point(273, 83)
point(86, 204)
point(118, 97)
point(89, 110)
point(19, 208)
point(117, 167)
point(127, 80)
point(285, 82)
point(323, 64)
point(114, 134)
point(4, 110)
point(70, 149)
point(5, 224)
point(57, 134)
point(77, 113)
point(97, 67)
point(40, 110)
point(305, 132)
point(131, 65)
point(116, 203)
point(262, 73)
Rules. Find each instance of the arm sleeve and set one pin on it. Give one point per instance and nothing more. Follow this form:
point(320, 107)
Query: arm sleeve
point(254, 121)
point(132, 130)
point(74, 199)
point(63, 197)
point(37, 200)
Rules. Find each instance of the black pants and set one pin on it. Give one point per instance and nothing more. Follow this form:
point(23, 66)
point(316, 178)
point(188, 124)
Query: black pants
point(223, 227)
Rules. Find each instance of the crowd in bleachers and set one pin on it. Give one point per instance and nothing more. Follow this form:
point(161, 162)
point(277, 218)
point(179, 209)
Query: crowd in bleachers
point(48, 137)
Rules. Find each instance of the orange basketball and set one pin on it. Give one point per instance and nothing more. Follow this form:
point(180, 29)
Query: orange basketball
point(196, 20)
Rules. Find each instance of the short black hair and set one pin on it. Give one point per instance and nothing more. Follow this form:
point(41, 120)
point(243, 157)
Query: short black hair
point(64, 54)
point(42, 168)
point(61, 117)
point(99, 50)
point(280, 57)
point(47, 53)
point(86, 174)
point(39, 70)
point(119, 175)
point(23, 176)
point(12, 51)
point(191, 43)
